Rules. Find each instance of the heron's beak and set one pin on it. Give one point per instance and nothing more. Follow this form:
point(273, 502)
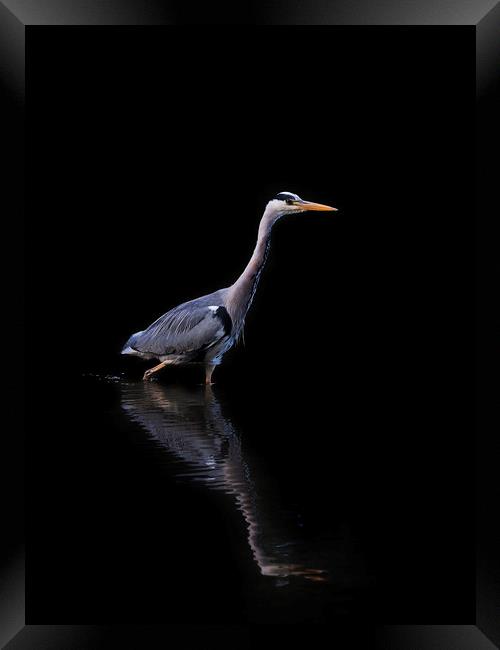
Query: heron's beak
point(307, 205)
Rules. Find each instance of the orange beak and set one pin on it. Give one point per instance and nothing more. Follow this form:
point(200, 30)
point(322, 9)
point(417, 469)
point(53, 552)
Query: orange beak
point(307, 205)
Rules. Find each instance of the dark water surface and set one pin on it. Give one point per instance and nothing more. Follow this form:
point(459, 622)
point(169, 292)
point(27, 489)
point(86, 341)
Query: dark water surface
point(262, 499)
point(186, 504)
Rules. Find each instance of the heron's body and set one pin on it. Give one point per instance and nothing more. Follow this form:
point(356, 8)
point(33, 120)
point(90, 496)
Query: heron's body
point(198, 331)
point(204, 329)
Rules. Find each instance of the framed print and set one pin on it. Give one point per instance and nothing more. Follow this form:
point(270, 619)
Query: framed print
point(257, 258)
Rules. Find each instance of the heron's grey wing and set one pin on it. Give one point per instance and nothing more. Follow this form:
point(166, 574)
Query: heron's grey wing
point(186, 329)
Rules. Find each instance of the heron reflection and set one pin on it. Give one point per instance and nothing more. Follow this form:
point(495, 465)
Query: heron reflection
point(190, 425)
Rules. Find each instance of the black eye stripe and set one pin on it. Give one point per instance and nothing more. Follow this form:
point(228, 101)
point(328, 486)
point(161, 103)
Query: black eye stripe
point(286, 196)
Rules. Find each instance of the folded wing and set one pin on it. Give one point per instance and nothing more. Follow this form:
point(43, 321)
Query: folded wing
point(185, 330)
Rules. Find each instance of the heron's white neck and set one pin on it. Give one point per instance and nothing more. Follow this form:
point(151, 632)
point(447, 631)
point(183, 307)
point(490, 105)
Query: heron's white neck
point(241, 293)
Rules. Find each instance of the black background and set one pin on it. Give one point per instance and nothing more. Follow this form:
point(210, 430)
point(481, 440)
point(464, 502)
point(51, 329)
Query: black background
point(154, 154)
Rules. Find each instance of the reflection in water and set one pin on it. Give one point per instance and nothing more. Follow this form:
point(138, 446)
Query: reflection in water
point(190, 425)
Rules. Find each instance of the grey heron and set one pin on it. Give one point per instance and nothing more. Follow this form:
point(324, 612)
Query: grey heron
point(204, 329)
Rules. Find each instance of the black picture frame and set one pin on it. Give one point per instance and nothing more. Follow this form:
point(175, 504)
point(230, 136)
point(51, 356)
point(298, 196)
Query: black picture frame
point(16, 21)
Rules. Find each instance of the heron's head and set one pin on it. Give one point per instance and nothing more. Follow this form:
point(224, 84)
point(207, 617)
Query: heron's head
point(288, 203)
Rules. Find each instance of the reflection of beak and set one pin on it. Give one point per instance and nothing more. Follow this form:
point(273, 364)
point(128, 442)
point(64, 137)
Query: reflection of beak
point(306, 205)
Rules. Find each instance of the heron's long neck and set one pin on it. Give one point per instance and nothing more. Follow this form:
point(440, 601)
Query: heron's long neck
point(241, 293)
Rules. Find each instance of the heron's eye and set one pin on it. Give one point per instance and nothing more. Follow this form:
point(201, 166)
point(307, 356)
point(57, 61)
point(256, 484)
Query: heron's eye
point(289, 201)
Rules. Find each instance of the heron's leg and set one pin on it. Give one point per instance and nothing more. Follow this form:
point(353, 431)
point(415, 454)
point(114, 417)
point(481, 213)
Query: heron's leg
point(209, 368)
point(151, 371)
